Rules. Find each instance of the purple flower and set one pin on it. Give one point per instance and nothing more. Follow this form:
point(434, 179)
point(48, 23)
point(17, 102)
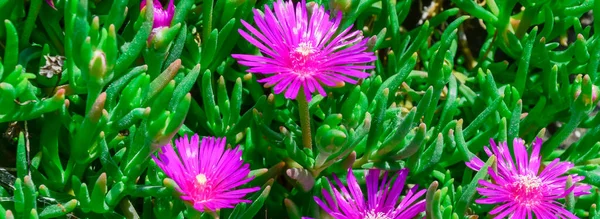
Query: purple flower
point(301, 50)
point(162, 17)
point(207, 174)
point(382, 200)
point(521, 188)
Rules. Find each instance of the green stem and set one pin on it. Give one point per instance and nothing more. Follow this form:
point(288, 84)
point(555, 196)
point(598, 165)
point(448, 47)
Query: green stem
point(214, 214)
point(75, 169)
point(304, 119)
point(318, 169)
point(525, 22)
point(362, 161)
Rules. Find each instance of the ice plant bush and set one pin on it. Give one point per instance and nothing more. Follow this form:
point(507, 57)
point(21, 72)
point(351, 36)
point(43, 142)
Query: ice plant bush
point(522, 186)
point(382, 199)
point(308, 91)
point(207, 173)
point(302, 51)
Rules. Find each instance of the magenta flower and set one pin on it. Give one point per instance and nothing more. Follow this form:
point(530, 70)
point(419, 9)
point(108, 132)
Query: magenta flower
point(207, 174)
point(521, 188)
point(162, 17)
point(301, 51)
point(382, 201)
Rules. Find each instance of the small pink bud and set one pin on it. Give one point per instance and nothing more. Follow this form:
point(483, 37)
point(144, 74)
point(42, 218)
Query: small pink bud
point(51, 3)
point(162, 17)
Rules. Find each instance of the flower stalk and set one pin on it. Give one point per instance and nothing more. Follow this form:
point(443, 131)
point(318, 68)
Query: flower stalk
point(304, 120)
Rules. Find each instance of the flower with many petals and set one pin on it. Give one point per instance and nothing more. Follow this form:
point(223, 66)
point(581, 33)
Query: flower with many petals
point(521, 187)
point(302, 50)
point(382, 200)
point(206, 172)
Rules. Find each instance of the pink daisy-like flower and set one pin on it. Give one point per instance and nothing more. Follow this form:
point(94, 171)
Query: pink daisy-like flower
point(521, 188)
point(162, 17)
point(301, 50)
point(382, 200)
point(206, 172)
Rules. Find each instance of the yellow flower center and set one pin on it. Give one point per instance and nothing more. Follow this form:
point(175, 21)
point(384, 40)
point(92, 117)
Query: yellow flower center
point(201, 179)
point(529, 181)
point(305, 49)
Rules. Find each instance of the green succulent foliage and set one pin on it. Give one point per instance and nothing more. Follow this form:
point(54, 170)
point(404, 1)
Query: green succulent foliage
point(82, 137)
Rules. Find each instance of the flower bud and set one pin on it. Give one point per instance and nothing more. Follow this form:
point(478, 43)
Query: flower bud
point(311, 7)
point(594, 96)
point(51, 3)
point(371, 43)
point(162, 17)
point(331, 136)
point(98, 67)
point(340, 5)
point(584, 92)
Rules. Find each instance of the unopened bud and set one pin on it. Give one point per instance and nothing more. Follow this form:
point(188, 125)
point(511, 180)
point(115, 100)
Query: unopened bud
point(51, 4)
point(581, 84)
point(311, 7)
point(592, 99)
point(98, 66)
point(340, 5)
point(330, 139)
point(371, 43)
point(248, 77)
